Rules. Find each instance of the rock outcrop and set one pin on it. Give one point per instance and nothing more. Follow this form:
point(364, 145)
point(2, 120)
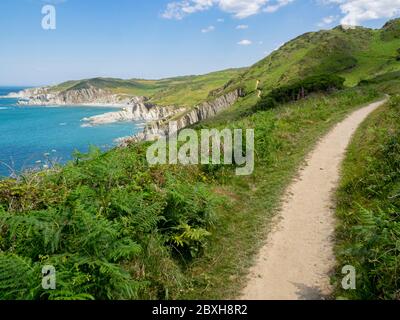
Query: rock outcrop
point(90, 95)
point(137, 109)
point(161, 128)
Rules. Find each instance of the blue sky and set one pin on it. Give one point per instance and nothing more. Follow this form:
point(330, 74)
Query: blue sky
point(160, 38)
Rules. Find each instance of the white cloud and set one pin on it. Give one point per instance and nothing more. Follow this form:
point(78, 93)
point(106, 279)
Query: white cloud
point(220, 20)
point(242, 26)
point(208, 29)
point(244, 43)
point(327, 21)
point(178, 10)
point(275, 7)
point(357, 11)
point(238, 8)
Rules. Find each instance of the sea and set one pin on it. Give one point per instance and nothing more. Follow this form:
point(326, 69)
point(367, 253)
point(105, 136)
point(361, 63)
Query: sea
point(36, 137)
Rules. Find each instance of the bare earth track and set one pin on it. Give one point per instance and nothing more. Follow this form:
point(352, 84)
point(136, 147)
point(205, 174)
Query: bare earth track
point(296, 261)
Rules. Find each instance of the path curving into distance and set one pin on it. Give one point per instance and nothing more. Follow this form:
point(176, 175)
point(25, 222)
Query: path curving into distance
point(298, 257)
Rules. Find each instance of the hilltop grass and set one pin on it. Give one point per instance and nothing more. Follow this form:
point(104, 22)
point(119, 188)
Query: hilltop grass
point(378, 58)
point(354, 54)
point(368, 206)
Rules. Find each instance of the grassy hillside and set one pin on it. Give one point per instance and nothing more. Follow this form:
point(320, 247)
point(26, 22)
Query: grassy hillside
point(182, 91)
point(368, 204)
point(355, 54)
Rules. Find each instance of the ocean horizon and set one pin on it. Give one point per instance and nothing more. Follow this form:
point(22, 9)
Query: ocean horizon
point(34, 136)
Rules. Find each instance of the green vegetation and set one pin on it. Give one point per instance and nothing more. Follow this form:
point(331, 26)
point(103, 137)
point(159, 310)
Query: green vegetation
point(369, 207)
point(181, 91)
point(354, 54)
point(116, 228)
point(113, 228)
point(299, 90)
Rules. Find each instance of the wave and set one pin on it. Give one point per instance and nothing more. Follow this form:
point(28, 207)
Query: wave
point(4, 108)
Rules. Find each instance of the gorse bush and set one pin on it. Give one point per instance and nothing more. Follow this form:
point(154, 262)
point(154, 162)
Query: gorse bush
point(369, 207)
point(106, 222)
point(299, 90)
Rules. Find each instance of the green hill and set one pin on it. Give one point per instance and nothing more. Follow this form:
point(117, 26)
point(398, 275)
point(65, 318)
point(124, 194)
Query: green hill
point(182, 91)
point(355, 54)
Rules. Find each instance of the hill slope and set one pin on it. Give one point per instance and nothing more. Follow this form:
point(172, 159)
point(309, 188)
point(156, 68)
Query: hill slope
point(355, 54)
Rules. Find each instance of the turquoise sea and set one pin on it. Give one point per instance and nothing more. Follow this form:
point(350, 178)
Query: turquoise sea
point(30, 136)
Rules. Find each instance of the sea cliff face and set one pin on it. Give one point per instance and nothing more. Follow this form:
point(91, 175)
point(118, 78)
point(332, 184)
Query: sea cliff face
point(161, 128)
point(137, 109)
point(45, 96)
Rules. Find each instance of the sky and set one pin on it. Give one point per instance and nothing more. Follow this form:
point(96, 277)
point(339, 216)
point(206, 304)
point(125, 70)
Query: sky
point(160, 38)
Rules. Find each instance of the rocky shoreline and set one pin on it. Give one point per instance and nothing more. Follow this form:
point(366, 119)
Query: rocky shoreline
point(137, 109)
point(132, 109)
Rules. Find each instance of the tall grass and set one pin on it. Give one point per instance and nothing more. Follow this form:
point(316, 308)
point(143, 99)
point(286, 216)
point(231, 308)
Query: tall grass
point(369, 208)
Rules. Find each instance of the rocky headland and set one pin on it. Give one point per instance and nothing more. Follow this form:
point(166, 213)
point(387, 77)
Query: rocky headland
point(132, 108)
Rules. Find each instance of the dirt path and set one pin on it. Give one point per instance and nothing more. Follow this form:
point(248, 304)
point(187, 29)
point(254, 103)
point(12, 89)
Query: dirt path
point(297, 258)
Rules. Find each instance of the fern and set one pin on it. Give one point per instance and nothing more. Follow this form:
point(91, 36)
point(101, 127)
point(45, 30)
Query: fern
point(19, 278)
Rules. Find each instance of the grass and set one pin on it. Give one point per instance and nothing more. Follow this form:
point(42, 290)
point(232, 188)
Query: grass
point(379, 58)
point(368, 206)
point(353, 54)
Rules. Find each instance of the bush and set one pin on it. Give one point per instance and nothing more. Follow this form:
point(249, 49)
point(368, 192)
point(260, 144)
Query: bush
point(106, 222)
point(300, 90)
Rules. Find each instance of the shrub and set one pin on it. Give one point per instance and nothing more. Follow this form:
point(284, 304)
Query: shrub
point(106, 222)
point(300, 90)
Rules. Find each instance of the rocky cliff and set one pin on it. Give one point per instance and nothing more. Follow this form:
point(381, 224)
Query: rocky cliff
point(161, 128)
point(136, 109)
point(46, 96)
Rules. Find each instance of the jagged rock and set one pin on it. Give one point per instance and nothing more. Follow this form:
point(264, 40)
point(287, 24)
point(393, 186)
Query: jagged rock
point(158, 129)
point(92, 95)
point(135, 110)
